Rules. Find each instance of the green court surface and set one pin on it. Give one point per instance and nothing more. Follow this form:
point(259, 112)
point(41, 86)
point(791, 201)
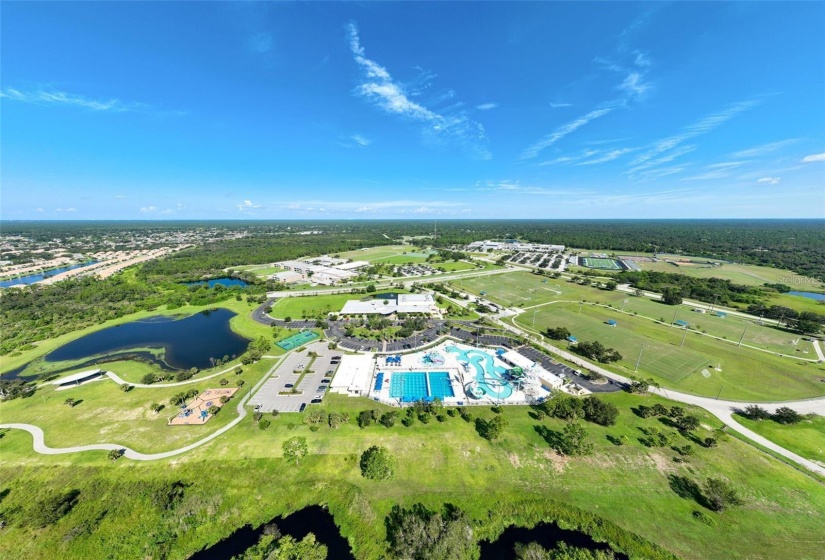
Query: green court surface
point(608, 264)
point(297, 340)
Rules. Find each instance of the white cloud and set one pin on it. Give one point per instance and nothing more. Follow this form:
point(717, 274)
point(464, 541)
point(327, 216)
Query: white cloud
point(65, 210)
point(563, 131)
point(769, 180)
point(641, 59)
point(247, 205)
point(452, 126)
point(42, 97)
point(486, 106)
point(38, 209)
point(607, 156)
point(813, 157)
point(121, 196)
point(148, 209)
point(558, 105)
point(763, 149)
point(359, 140)
point(634, 85)
point(167, 211)
point(670, 145)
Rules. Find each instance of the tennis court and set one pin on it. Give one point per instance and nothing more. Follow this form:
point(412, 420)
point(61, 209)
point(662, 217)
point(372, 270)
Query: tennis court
point(297, 340)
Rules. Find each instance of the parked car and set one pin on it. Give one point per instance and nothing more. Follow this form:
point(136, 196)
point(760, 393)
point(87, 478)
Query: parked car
point(289, 385)
point(325, 380)
point(313, 401)
point(322, 388)
point(303, 406)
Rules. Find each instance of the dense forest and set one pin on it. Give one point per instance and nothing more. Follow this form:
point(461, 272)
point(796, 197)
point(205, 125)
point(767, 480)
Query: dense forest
point(797, 245)
point(211, 258)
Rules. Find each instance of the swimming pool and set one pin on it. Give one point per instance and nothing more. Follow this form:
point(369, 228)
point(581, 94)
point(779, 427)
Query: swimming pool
point(411, 386)
point(489, 376)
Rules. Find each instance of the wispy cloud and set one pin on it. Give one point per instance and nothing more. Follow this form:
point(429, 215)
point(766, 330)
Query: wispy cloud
point(769, 180)
point(670, 148)
point(486, 106)
point(402, 206)
point(148, 209)
point(607, 156)
point(634, 85)
point(53, 97)
point(559, 105)
point(763, 149)
point(69, 210)
point(717, 171)
point(563, 131)
point(515, 187)
point(452, 126)
point(355, 141)
point(813, 157)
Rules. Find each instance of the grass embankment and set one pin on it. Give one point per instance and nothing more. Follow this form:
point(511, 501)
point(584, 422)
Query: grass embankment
point(806, 439)
point(241, 478)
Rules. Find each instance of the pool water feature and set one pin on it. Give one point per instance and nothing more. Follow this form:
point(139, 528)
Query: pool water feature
point(490, 377)
point(411, 386)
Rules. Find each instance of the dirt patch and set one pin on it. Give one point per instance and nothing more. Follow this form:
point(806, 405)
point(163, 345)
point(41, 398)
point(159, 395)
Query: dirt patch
point(663, 464)
point(559, 462)
point(514, 460)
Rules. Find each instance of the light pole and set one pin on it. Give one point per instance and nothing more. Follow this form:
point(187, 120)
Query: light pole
point(674, 315)
point(581, 302)
point(639, 359)
point(743, 334)
point(683, 337)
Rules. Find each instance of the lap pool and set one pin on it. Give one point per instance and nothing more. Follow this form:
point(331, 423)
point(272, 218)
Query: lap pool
point(411, 386)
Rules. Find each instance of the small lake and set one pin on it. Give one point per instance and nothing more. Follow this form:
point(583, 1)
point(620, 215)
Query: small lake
point(313, 519)
point(187, 342)
point(225, 282)
point(548, 535)
point(811, 295)
point(32, 278)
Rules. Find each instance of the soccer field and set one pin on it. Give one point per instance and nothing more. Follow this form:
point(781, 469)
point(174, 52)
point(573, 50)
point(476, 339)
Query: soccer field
point(745, 373)
point(607, 264)
point(517, 289)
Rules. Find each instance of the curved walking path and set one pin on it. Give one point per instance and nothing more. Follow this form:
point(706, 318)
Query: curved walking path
point(40, 446)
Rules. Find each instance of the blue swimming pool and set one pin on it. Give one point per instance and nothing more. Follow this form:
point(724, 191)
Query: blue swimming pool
point(411, 386)
point(490, 377)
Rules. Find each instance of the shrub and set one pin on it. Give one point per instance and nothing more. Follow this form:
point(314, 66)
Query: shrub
point(704, 518)
point(441, 417)
point(388, 418)
point(157, 407)
point(257, 416)
point(223, 382)
point(408, 421)
point(149, 378)
point(263, 424)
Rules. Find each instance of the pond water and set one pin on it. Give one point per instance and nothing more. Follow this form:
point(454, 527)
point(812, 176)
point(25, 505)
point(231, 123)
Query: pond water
point(548, 535)
point(811, 295)
point(187, 342)
point(225, 282)
point(32, 278)
point(313, 519)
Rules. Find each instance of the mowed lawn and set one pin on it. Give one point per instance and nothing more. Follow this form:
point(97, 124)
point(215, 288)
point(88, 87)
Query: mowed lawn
point(310, 306)
point(746, 374)
point(376, 253)
point(106, 414)
point(518, 289)
point(749, 275)
point(806, 438)
point(516, 480)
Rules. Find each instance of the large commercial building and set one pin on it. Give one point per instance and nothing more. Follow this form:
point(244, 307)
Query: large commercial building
point(487, 245)
point(319, 270)
point(392, 303)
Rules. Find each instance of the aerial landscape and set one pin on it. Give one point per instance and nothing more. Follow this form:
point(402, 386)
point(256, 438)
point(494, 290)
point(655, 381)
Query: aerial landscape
point(419, 281)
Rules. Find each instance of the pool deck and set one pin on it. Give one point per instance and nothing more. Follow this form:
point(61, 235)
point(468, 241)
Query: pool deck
point(459, 376)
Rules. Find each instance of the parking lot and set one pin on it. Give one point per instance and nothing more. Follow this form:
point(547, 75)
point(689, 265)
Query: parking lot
point(287, 376)
point(564, 371)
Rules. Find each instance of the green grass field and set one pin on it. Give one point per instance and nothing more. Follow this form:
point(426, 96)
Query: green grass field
point(401, 259)
point(605, 264)
point(806, 439)
point(298, 307)
point(517, 480)
point(745, 374)
point(377, 253)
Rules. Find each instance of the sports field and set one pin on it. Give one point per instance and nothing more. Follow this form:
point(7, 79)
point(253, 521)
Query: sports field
point(607, 264)
point(376, 253)
point(520, 289)
point(745, 374)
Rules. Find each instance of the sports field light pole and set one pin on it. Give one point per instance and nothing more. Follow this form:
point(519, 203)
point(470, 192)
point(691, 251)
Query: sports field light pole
point(674, 315)
point(683, 337)
point(639, 359)
point(581, 302)
point(741, 338)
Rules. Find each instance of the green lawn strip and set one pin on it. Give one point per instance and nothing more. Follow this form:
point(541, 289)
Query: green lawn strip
point(400, 259)
point(106, 414)
point(375, 253)
point(746, 374)
point(806, 439)
point(239, 478)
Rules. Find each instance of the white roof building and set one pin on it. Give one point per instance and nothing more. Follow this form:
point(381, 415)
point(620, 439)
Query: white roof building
point(354, 375)
point(78, 378)
point(287, 276)
point(354, 265)
point(403, 303)
point(517, 360)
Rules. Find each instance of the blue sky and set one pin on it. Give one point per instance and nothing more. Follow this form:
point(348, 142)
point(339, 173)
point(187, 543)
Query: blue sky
point(405, 110)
